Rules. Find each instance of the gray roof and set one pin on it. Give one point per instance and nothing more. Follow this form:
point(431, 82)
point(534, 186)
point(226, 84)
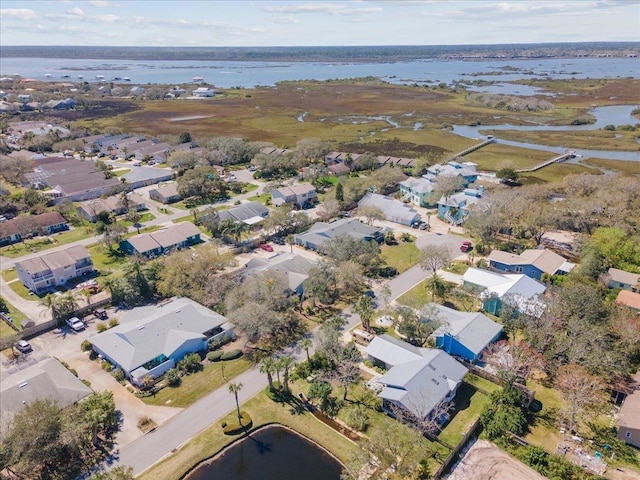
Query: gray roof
point(245, 211)
point(138, 174)
point(623, 277)
point(148, 332)
point(55, 260)
point(321, 232)
point(472, 329)
point(422, 378)
point(294, 267)
point(418, 185)
point(394, 210)
point(165, 238)
point(46, 379)
point(167, 190)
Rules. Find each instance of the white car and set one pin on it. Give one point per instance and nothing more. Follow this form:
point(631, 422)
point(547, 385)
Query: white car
point(76, 324)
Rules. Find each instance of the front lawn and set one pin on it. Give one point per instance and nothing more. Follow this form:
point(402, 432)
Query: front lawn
point(195, 386)
point(10, 275)
point(264, 198)
point(402, 256)
point(17, 316)
point(104, 261)
point(469, 404)
point(43, 243)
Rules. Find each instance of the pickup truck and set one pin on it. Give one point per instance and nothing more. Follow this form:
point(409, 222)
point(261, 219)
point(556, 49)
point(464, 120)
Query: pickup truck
point(76, 324)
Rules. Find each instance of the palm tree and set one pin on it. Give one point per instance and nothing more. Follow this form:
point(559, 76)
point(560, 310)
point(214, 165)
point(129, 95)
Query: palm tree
point(365, 308)
point(306, 343)
point(436, 284)
point(287, 364)
point(49, 303)
point(268, 366)
point(235, 388)
point(290, 239)
point(277, 365)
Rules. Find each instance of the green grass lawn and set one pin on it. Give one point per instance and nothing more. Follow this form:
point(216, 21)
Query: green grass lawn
point(402, 256)
point(120, 173)
point(481, 383)
point(458, 268)
point(262, 411)
point(43, 243)
point(10, 275)
point(196, 385)
point(261, 198)
point(23, 291)
point(469, 403)
point(416, 297)
point(17, 316)
point(544, 429)
point(186, 218)
point(145, 217)
point(104, 261)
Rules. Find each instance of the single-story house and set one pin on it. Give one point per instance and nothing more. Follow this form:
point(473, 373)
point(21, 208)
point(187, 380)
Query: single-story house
point(625, 280)
point(90, 209)
point(463, 334)
point(338, 169)
point(143, 176)
point(496, 288)
point(202, 92)
point(532, 263)
point(295, 268)
point(418, 191)
point(629, 299)
point(167, 193)
point(297, 195)
point(456, 208)
point(394, 211)
point(151, 340)
point(11, 231)
point(160, 242)
point(250, 213)
point(46, 379)
point(418, 379)
point(322, 232)
point(629, 416)
point(57, 268)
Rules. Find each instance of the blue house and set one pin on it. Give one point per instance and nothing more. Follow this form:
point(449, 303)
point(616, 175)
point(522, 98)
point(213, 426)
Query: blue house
point(455, 208)
point(532, 263)
point(176, 237)
point(462, 334)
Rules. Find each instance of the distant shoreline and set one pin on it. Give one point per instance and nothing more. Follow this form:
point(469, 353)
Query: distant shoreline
point(357, 54)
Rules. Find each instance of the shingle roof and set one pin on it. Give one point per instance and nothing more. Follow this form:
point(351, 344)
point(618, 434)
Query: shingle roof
point(629, 415)
point(294, 267)
point(46, 379)
point(321, 232)
point(546, 260)
point(244, 211)
point(394, 210)
point(148, 332)
point(623, 277)
point(629, 299)
point(418, 185)
point(54, 260)
point(472, 329)
point(16, 225)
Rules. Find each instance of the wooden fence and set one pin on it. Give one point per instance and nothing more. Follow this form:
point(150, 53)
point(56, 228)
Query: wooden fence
point(529, 395)
point(453, 456)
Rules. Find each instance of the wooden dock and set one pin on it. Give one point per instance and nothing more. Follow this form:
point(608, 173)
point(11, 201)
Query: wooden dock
point(558, 159)
point(471, 149)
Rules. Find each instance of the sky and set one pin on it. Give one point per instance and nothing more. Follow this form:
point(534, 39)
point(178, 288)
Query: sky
point(299, 23)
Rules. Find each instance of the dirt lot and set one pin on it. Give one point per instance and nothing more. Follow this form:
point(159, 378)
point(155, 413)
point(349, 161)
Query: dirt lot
point(485, 461)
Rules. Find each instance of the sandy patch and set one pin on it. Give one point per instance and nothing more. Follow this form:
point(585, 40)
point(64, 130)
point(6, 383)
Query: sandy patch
point(485, 461)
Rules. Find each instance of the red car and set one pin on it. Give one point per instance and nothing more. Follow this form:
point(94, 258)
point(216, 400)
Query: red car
point(266, 247)
point(466, 246)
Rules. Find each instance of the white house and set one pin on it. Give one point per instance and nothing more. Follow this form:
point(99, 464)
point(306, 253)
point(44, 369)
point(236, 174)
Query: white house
point(393, 210)
point(52, 269)
point(202, 92)
point(296, 195)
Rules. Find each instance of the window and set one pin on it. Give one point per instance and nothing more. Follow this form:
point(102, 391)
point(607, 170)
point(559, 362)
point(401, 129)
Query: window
point(518, 269)
point(628, 434)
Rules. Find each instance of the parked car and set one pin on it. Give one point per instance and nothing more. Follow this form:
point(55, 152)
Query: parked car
point(266, 247)
point(423, 226)
point(415, 225)
point(76, 324)
point(279, 240)
point(23, 346)
point(101, 313)
point(137, 164)
point(466, 246)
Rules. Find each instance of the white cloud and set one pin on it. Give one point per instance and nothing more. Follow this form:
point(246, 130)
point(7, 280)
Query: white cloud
point(100, 3)
point(285, 19)
point(326, 8)
point(19, 13)
point(77, 12)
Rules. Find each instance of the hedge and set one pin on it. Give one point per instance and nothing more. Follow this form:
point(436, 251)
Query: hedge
point(214, 356)
point(231, 355)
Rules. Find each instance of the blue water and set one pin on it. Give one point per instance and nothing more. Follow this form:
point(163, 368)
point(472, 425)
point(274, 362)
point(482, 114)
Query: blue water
point(252, 74)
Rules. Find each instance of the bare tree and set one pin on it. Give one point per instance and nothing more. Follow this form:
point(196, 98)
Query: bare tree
point(434, 257)
point(371, 213)
point(582, 392)
point(513, 361)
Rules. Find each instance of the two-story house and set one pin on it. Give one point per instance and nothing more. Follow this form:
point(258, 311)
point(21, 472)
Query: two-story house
point(418, 191)
point(456, 208)
point(532, 263)
point(298, 195)
point(52, 269)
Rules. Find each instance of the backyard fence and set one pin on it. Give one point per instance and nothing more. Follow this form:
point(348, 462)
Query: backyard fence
point(473, 432)
point(529, 395)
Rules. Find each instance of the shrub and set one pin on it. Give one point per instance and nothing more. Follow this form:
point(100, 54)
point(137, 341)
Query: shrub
point(231, 354)
point(106, 366)
point(101, 327)
point(173, 377)
point(85, 346)
point(357, 418)
point(118, 374)
point(86, 382)
point(93, 355)
point(214, 356)
point(190, 364)
point(113, 322)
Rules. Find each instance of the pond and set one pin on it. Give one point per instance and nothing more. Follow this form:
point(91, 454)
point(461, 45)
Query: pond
point(271, 453)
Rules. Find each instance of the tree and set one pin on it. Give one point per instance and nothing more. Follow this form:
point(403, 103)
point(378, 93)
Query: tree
point(268, 366)
point(329, 209)
point(320, 390)
point(366, 309)
point(582, 392)
point(437, 286)
point(182, 161)
point(306, 343)
point(514, 361)
point(203, 185)
point(340, 193)
point(344, 248)
point(416, 328)
point(210, 219)
point(507, 175)
point(113, 233)
point(286, 364)
point(118, 473)
point(234, 388)
point(350, 278)
point(99, 413)
point(321, 284)
point(347, 369)
point(185, 137)
point(504, 413)
point(371, 213)
point(434, 257)
point(447, 185)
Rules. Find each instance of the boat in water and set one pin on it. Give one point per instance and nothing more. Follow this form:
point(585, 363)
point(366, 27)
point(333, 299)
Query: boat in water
point(48, 75)
point(80, 77)
point(126, 79)
point(198, 79)
point(100, 77)
point(66, 76)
